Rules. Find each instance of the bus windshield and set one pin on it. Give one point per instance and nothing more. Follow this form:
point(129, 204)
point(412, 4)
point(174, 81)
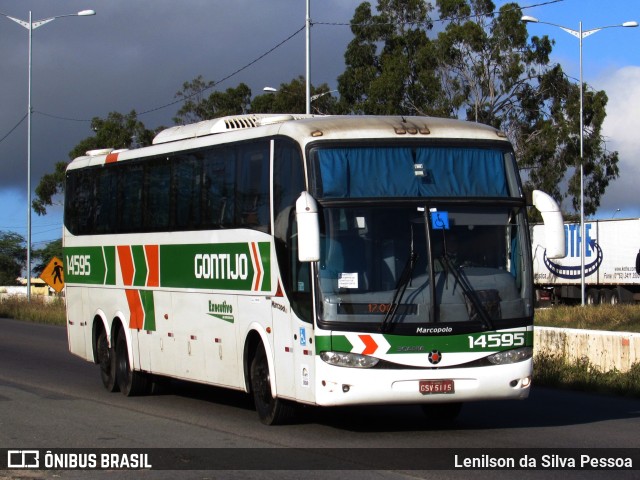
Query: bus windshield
point(453, 264)
point(421, 236)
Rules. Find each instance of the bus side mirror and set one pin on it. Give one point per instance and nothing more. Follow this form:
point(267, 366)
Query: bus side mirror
point(308, 228)
point(553, 224)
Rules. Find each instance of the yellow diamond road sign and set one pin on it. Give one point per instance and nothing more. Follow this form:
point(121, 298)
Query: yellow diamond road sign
point(53, 274)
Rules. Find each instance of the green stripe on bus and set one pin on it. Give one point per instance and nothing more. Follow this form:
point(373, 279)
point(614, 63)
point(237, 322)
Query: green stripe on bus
point(323, 343)
point(222, 266)
point(140, 264)
point(85, 265)
point(146, 297)
point(265, 255)
point(219, 266)
point(402, 344)
point(340, 343)
point(109, 256)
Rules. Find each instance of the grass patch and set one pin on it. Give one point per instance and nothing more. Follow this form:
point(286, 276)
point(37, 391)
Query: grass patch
point(51, 312)
point(612, 318)
point(554, 371)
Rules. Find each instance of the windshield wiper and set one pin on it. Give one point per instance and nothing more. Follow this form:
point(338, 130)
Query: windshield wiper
point(433, 307)
point(401, 287)
point(468, 290)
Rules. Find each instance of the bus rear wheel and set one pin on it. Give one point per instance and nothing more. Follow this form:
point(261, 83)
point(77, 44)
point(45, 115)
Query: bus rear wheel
point(271, 411)
point(107, 362)
point(131, 382)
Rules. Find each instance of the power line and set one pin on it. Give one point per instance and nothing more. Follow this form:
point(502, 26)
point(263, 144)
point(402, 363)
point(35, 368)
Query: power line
point(228, 76)
point(232, 74)
point(285, 41)
point(155, 109)
point(16, 126)
point(57, 117)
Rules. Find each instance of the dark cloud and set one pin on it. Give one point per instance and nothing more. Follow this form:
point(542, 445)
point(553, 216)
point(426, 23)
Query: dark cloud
point(135, 54)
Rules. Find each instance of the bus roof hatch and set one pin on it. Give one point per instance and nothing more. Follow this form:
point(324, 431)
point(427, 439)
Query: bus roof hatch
point(222, 125)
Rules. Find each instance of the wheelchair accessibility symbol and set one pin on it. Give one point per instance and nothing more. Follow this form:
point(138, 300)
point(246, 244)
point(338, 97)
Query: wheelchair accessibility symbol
point(440, 220)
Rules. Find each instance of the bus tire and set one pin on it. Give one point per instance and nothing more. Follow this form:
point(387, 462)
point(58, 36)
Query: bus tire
point(441, 414)
point(107, 362)
point(271, 411)
point(131, 382)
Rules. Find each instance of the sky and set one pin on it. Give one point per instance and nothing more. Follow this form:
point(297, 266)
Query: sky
point(136, 54)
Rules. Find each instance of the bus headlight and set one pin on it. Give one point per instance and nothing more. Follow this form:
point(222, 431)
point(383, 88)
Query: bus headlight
point(351, 360)
point(511, 356)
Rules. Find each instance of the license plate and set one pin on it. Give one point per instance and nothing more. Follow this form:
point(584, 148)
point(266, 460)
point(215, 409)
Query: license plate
point(430, 387)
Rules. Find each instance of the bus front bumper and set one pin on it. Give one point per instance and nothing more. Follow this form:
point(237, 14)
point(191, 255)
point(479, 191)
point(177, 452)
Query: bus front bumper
point(354, 386)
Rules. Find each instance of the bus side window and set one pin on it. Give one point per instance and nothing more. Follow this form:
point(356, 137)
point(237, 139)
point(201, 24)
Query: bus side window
point(106, 213)
point(186, 182)
point(288, 182)
point(253, 186)
point(80, 209)
point(157, 196)
point(130, 187)
point(218, 188)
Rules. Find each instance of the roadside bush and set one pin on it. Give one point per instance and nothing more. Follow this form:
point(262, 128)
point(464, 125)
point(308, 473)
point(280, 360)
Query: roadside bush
point(38, 310)
point(555, 371)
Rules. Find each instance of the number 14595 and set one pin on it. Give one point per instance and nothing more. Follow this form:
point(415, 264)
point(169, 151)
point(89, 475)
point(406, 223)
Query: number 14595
point(496, 340)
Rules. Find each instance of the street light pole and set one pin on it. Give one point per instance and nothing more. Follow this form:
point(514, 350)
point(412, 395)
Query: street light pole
point(583, 244)
point(318, 95)
point(308, 60)
point(30, 25)
point(580, 34)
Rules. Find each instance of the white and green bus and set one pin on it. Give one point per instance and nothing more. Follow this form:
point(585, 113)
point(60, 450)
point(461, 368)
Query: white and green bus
point(307, 260)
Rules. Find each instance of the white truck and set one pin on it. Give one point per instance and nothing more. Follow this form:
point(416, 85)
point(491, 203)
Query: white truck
point(611, 263)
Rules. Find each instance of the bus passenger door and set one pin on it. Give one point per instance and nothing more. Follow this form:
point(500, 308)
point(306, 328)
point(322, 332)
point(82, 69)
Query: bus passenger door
point(283, 346)
point(294, 339)
point(304, 359)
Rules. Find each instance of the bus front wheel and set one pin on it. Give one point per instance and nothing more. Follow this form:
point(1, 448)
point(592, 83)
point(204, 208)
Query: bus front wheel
point(107, 362)
point(131, 382)
point(271, 411)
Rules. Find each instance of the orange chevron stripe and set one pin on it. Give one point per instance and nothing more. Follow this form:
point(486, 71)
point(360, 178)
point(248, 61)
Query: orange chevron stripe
point(153, 260)
point(126, 264)
point(135, 308)
point(370, 345)
point(257, 263)
point(111, 158)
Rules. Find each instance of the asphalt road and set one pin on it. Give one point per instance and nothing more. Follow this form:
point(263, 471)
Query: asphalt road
point(50, 399)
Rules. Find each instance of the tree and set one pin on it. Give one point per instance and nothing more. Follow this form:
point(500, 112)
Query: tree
point(116, 131)
point(198, 107)
point(13, 257)
point(45, 254)
point(391, 63)
point(482, 67)
point(291, 98)
point(507, 81)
